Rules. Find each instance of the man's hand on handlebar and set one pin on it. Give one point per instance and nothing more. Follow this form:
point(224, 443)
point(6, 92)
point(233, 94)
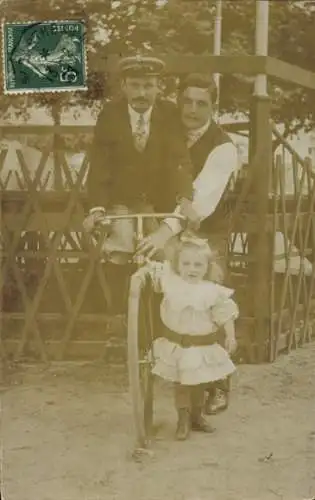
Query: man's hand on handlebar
point(187, 210)
point(155, 241)
point(93, 220)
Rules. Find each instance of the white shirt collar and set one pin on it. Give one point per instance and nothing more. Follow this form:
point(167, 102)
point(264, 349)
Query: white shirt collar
point(195, 134)
point(134, 115)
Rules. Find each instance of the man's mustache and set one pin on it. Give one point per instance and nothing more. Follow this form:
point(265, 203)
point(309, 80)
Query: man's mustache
point(140, 100)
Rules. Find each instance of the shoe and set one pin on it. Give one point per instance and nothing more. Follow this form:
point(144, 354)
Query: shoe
point(199, 423)
point(183, 424)
point(219, 403)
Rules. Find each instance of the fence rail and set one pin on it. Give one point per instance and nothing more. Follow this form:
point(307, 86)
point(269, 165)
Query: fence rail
point(55, 297)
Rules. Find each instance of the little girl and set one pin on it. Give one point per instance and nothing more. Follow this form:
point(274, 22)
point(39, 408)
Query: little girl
point(193, 309)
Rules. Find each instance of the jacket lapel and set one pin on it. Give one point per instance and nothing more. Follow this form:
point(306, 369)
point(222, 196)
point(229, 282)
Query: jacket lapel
point(153, 142)
point(124, 126)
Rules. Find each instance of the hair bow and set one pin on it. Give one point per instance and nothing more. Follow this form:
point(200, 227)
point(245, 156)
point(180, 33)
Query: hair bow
point(200, 242)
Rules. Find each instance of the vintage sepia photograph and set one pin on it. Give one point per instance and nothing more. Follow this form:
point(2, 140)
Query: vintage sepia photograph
point(157, 238)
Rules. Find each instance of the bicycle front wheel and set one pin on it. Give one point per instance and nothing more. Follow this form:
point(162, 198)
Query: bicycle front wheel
point(140, 338)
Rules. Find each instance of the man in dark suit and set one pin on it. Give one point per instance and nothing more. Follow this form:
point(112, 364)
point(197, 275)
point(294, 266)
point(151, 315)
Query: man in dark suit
point(139, 163)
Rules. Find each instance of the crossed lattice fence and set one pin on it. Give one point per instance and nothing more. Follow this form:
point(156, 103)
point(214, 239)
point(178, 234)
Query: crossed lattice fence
point(55, 296)
point(292, 294)
point(290, 261)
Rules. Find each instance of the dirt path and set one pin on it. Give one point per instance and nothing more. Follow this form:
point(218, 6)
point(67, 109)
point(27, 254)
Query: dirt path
point(67, 435)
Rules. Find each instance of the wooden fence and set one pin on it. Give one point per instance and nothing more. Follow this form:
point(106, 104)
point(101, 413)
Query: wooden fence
point(55, 295)
point(292, 293)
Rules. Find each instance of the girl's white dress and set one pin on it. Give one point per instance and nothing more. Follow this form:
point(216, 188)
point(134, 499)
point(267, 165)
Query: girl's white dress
point(193, 309)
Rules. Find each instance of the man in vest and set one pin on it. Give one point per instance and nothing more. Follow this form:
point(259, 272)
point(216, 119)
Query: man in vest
point(139, 163)
point(214, 159)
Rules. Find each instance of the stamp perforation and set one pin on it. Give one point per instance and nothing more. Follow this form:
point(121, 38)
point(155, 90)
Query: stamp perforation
point(32, 67)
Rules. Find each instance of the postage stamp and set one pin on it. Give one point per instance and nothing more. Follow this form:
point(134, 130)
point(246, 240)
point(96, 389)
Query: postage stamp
point(48, 56)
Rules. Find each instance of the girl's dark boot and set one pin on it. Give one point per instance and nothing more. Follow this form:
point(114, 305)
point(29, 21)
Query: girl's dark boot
point(198, 422)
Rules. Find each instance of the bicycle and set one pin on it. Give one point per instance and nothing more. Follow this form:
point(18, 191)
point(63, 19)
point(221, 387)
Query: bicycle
point(143, 321)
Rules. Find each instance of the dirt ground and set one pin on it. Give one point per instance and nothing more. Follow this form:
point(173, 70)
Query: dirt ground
point(67, 434)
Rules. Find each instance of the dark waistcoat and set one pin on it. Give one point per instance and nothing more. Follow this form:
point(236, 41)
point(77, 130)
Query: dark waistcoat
point(199, 153)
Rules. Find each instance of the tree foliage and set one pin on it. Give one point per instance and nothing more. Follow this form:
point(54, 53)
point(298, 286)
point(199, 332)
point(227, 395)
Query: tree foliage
point(180, 26)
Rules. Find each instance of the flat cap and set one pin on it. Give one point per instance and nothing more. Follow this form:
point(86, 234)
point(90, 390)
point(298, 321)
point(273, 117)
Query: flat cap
point(141, 65)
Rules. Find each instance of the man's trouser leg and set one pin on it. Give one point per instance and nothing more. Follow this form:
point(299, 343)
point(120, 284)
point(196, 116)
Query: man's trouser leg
point(219, 243)
point(119, 247)
point(118, 277)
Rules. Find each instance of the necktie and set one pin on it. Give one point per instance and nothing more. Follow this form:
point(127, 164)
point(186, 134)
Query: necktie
point(193, 137)
point(140, 135)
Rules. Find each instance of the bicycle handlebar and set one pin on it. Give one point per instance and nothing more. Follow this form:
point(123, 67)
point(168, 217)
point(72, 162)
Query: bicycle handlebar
point(139, 219)
point(145, 216)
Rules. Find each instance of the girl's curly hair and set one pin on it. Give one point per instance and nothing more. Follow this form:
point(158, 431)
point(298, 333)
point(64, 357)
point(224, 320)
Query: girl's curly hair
point(191, 241)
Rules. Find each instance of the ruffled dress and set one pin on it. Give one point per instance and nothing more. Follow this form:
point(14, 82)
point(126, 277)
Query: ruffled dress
point(193, 309)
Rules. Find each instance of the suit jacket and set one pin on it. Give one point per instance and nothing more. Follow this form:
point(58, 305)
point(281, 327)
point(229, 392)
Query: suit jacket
point(119, 174)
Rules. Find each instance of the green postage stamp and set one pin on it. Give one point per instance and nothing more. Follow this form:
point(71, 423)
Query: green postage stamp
point(48, 56)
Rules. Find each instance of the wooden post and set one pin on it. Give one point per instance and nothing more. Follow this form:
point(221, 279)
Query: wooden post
point(260, 244)
point(217, 51)
point(261, 42)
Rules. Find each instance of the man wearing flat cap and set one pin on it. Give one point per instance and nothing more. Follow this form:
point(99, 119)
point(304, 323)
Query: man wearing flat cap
point(139, 163)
